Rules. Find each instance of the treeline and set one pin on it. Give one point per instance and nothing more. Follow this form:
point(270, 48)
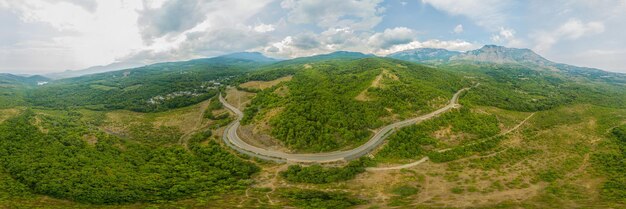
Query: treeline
point(416, 141)
point(613, 164)
point(317, 174)
point(322, 114)
point(61, 164)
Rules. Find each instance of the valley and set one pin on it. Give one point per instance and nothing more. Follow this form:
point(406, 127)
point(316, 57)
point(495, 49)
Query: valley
point(339, 130)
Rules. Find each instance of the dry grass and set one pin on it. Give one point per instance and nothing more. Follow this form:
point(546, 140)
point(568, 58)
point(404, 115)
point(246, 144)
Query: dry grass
point(265, 84)
point(187, 119)
point(8, 113)
point(237, 98)
point(258, 133)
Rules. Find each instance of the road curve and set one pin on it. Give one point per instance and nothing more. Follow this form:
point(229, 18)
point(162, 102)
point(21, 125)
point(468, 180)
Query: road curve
point(231, 138)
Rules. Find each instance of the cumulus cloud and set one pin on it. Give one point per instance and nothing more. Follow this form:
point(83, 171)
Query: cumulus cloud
point(382, 43)
point(506, 36)
point(454, 45)
point(392, 37)
point(571, 30)
point(172, 17)
point(458, 29)
point(359, 15)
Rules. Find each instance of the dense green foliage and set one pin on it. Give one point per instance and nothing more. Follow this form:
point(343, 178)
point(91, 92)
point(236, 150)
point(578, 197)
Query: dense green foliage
point(317, 174)
point(321, 112)
point(314, 199)
point(411, 142)
point(150, 88)
point(52, 158)
point(521, 88)
point(613, 164)
point(13, 88)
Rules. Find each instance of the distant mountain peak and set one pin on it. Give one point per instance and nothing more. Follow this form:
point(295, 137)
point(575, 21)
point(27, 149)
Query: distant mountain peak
point(501, 54)
point(254, 56)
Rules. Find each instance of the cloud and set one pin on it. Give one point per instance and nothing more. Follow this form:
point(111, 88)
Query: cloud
point(458, 29)
point(358, 15)
point(176, 17)
point(506, 36)
point(382, 43)
point(391, 37)
point(172, 17)
point(82, 37)
point(571, 30)
point(487, 13)
point(454, 45)
point(264, 28)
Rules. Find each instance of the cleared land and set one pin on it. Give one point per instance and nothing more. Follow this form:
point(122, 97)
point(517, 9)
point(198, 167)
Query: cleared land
point(265, 84)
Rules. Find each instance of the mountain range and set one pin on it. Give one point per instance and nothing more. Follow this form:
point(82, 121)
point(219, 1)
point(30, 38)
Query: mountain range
point(430, 56)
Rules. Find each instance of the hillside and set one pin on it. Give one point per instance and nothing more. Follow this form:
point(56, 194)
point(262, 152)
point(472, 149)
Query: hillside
point(150, 88)
point(334, 104)
point(526, 133)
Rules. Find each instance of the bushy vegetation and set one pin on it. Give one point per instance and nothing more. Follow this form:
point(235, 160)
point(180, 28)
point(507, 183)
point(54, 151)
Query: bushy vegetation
point(214, 104)
point(613, 165)
point(52, 158)
point(412, 142)
point(314, 199)
point(317, 174)
point(322, 114)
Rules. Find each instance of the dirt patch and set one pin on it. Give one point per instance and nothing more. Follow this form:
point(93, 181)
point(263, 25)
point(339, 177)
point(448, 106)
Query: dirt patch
point(282, 91)
point(8, 113)
point(237, 98)
point(264, 84)
point(376, 83)
point(90, 139)
point(447, 136)
point(258, 133)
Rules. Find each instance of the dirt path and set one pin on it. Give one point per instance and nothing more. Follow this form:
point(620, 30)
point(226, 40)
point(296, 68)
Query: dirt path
point(420, 161)
point(184, 139)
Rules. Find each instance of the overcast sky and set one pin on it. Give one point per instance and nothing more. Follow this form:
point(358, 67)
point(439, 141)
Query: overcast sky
point(40, 36)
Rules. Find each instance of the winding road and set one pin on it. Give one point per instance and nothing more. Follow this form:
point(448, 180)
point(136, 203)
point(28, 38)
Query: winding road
point(232, 139)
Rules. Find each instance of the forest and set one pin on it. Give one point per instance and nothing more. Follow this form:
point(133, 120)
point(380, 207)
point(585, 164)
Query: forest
point(322, 114)
point(52, 158)
point(317, 174)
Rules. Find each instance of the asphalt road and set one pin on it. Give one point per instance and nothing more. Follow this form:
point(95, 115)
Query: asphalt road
point(231, 138)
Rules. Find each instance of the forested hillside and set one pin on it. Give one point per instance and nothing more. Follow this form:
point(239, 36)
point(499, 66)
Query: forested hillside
point(334, 104)
point(151, 88)
point(48, 154)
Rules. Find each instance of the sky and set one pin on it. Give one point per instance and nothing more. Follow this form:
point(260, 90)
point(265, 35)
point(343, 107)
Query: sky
point(44, 36)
